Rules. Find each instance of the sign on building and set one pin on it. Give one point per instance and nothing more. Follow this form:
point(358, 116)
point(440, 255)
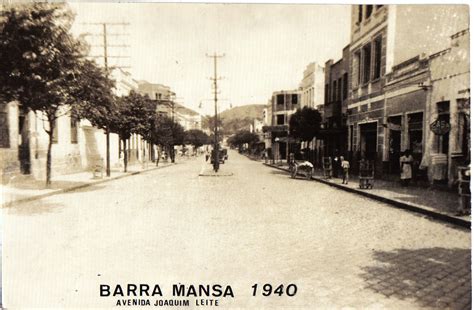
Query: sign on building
point(440, 127)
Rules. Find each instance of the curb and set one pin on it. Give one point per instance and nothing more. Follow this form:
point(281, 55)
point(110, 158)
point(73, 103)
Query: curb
point(396, 203)
point(69, 189)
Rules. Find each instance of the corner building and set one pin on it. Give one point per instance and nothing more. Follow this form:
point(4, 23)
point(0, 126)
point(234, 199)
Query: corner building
point(384, 37)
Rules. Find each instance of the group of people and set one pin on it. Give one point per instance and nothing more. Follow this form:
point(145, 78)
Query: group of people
point(406, 168)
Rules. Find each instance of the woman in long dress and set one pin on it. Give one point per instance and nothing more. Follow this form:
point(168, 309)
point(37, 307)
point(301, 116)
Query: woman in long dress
point(406, 162)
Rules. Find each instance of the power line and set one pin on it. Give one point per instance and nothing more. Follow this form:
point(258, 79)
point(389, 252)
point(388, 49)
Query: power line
point(106, 57)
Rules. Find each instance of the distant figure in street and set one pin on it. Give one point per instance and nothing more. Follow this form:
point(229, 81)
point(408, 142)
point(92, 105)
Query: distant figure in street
point(345, 170)
point(406, 162)
point(158, 156)
point(207, 155)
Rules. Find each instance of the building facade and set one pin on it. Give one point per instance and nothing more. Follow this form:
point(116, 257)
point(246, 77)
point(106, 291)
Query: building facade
point(77, 145)
point(283, 104)
point(386, 38)
point(449, 103)
point(336, 98)
point(312, 86)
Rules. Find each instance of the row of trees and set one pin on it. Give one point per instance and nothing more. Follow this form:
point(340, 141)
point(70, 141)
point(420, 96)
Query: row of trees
point(45, 69)
point(304, 125)
point(241, 138)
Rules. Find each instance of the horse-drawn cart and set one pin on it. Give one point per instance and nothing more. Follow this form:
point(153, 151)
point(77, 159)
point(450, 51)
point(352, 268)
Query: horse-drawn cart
point(305, 168)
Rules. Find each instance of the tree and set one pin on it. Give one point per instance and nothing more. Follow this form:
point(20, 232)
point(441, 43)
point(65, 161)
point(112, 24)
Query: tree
point(305, 124)
point(41, 63)
point(167, 133)
point(132, 114)
point(195, 137)
point(243, 137)
point(98, 109)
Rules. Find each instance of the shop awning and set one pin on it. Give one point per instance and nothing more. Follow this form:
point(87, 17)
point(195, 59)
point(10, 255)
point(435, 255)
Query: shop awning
point(276, 128)
point(287, 139)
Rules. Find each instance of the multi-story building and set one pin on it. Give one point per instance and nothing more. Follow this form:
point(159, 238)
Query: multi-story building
point(267, 122)
point(167, 105)
point(283, 104)
point(385, 37)
point(336, 97)
point(312, 86)
point(447, 129)
point(155, 91)
point(186, 117)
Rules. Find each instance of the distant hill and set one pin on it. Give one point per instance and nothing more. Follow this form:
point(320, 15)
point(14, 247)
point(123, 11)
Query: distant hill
point(235, 119)
point(252, 110)
point(241, 117)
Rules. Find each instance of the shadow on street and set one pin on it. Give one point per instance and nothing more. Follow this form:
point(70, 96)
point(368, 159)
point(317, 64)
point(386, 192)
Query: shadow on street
point(430, 276)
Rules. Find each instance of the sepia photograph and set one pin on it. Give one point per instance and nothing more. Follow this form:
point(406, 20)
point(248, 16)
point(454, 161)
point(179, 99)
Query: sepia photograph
point(235, 155)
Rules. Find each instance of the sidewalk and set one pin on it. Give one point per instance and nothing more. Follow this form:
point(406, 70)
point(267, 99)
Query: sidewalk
point(435, 203)
point(25, 188)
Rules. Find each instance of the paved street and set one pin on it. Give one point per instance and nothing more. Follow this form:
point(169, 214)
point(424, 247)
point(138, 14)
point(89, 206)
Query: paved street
point(171, 226)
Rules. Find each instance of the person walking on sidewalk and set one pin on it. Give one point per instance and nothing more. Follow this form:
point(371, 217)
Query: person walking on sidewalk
point(158, 156)
point(345, 170)
point(406, 162)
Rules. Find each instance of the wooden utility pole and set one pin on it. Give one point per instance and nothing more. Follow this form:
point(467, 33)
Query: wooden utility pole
point(216, 140)
point(106, 57)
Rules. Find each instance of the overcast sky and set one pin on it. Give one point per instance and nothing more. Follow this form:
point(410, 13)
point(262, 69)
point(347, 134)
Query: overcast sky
point(266, 47)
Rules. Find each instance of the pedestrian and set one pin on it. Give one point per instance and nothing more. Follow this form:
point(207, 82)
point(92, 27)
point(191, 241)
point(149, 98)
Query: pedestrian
point(406, 162)
point(345, 170)
point(207, 155)
point(158, 156)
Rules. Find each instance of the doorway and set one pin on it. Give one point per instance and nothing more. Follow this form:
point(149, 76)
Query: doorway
point(368, 140)
point(24, 144)
point(394, 141)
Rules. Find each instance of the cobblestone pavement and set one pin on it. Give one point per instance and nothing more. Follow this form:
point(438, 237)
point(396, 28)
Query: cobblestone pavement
point(257, 226)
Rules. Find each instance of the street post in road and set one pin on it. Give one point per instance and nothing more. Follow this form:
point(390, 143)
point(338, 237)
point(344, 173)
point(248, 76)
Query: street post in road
point(216, 140)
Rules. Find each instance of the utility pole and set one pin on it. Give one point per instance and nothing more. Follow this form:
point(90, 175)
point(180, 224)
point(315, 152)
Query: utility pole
point(216, 140)
point(106, 56)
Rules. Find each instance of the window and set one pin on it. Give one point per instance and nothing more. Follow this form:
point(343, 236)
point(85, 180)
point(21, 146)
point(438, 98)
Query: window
point(294, 99)
point(345, 86)
point(280, 99)
point(443, 115)
point(359, 20)
point(366, 63)
point(280, 119)
point(377, 58)
point(351, 138)
point(334, 90)
point(339, 89)
point(463, 136)
point(4, 132)
point(326, 93)
point(55, 131)
point(368, 10)
point(74, 134)
point(415, 133)
point(356, 69)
